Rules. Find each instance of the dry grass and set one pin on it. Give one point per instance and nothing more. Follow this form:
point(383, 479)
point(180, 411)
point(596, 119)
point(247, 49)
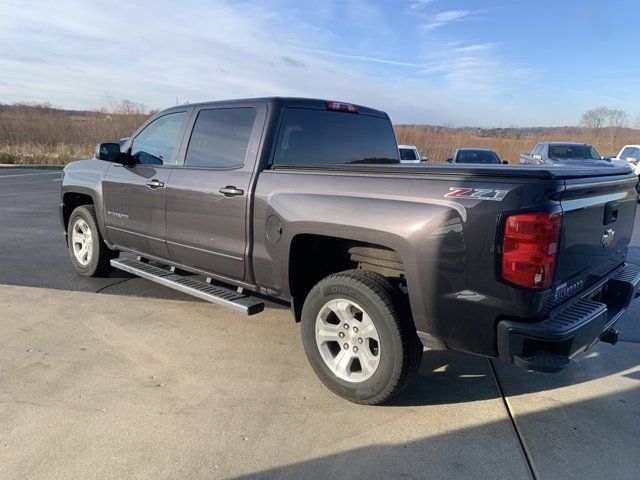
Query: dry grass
point(41, 135)
point(46, 136)
point(439, 143)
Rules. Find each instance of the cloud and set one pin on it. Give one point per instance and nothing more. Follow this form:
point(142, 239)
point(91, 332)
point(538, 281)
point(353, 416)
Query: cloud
point(365, 58)
point(446, 17)
point(418, 5)
point(292, 62)
point(143, 52)
point(479, 73)
point(479, 47)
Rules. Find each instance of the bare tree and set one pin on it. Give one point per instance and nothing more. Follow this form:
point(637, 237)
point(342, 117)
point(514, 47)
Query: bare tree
point(122, 106)
point(617, 120)
point(595, 118)
point(605, 122)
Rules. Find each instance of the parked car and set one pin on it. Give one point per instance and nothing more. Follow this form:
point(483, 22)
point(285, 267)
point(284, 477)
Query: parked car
point(306, 201)
point(410, 154)
point(476, 155)
point(631, 154)
point(564, 153)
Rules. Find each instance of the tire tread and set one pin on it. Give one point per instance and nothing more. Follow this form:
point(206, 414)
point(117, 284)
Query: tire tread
point(389, 298)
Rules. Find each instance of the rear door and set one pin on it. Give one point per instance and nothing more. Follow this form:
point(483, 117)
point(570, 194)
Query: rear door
point(208, 194)
point(134, 197)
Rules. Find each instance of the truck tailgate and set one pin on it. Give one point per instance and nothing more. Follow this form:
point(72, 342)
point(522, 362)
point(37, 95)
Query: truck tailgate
point(597, 223)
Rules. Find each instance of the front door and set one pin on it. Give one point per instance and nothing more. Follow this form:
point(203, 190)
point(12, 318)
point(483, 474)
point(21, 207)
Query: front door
point(207, 195)
point(134, 197)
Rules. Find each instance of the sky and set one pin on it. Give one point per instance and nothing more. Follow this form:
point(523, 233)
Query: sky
point(492, 63)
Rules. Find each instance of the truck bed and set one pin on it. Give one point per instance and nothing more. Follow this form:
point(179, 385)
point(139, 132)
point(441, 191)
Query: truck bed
point(516, 171)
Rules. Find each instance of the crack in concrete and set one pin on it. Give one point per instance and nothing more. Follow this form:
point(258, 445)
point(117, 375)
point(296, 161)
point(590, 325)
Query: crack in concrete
point(505, 402)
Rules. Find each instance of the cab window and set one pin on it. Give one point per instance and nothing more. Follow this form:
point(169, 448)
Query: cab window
point(220, 138)
point(155, 144)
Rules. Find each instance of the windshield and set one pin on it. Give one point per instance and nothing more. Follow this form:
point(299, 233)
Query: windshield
point(630, 152)
point(408, 154)
point(477, 156)
point(585, 152)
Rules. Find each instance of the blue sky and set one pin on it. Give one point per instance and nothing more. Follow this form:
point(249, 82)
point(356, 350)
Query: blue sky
point(456, 62)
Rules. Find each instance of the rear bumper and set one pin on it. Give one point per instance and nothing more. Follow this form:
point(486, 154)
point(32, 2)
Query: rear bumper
point(549, 345)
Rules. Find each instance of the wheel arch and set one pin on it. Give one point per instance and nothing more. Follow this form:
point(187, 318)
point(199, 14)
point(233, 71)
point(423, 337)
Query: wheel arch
point(313, 257)
point(72, 200)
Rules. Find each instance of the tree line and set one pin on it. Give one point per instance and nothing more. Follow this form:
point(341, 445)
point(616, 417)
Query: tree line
point(607, 122)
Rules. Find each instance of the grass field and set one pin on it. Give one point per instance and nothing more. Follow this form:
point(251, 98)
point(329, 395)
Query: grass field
point(41, 135)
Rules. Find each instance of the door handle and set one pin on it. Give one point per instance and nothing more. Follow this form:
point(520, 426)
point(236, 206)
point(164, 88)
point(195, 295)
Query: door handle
point(155, 183)
point(231, 191)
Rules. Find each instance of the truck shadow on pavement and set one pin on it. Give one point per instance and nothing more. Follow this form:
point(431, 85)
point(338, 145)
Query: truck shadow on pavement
point(566, 440)
point(448, 376)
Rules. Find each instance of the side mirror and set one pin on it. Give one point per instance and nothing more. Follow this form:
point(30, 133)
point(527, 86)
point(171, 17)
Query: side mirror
point(536, 157)
point(633, 160)
point(505, 162)
point(449, 160)
point(424, 159)
point(107, 151)
point(110, 152)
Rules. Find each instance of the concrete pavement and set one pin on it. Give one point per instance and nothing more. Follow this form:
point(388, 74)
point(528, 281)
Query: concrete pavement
point(584, 421)
point(97, 386)
point(106, 386)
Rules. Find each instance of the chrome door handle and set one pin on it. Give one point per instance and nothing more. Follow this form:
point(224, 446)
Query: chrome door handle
point(231, 191)
point(155, 183)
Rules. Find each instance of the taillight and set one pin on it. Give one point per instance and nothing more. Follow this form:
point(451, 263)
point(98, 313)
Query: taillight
point(342, 107)
point(530, 248)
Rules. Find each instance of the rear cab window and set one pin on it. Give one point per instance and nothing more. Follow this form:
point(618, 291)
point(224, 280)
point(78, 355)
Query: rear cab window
point(477, 156)
point(573, 151)
point(322, 137)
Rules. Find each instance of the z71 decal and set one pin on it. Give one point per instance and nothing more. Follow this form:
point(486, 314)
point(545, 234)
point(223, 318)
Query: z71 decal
point(477, 193)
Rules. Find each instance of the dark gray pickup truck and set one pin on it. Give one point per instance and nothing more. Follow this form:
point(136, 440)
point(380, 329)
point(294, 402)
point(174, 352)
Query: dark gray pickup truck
point(306, 201)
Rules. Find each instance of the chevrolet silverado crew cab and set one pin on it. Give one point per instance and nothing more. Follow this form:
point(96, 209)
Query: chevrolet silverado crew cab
point(306, 201)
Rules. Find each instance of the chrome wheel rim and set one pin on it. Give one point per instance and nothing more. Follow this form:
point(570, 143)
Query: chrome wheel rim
point(348, 340)
point(82, 242)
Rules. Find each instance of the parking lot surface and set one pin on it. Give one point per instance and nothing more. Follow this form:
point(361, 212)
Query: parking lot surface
point(123, 378)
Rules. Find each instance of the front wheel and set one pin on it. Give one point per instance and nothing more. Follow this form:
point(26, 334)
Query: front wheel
point(355, 338)
point(89, 255)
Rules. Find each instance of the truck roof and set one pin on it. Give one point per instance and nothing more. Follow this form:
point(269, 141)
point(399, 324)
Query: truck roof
point(475, 149)
point(565, 143)
point(295, 102)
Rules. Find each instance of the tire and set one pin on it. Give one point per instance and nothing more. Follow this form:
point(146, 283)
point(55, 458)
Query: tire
point(83, 231)
point(384, 366)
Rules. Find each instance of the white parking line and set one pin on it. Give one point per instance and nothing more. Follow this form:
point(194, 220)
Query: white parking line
point(27, 174)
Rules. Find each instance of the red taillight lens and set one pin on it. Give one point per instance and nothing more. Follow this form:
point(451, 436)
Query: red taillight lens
point(342, 107)
point(530, 248)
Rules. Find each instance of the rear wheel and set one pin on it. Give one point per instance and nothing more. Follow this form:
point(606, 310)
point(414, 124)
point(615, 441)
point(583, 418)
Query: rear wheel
point(89, 255)
point(356, 339)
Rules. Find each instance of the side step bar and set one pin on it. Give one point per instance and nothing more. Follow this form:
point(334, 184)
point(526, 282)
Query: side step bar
point(226, 297)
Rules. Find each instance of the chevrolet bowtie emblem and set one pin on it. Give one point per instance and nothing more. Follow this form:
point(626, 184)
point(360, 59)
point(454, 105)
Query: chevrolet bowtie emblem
point(608, 237)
